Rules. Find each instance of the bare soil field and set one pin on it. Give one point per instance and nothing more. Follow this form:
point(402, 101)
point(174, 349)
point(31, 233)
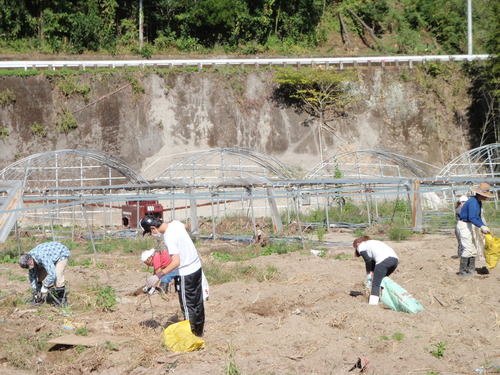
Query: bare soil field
point(299, 319)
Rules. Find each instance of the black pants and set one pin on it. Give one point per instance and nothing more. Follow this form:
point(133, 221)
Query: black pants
point(383, 269)
point(191, 300)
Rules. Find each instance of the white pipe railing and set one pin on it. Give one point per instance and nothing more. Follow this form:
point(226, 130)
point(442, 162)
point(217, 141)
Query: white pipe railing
point(201, 63)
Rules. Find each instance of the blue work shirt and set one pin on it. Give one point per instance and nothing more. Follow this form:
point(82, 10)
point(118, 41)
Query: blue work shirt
point(471, 212)
point(46, 255)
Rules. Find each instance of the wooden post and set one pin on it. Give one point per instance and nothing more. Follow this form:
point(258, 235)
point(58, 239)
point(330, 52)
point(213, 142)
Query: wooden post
point(416, 207)
point(275, 215)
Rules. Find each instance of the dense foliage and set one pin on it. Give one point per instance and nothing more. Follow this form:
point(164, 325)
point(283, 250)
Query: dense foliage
point(284, 27)
point(243, 26)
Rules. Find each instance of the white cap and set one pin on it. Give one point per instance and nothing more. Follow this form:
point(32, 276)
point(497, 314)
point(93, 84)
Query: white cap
point(463, 198)
point(146, 254)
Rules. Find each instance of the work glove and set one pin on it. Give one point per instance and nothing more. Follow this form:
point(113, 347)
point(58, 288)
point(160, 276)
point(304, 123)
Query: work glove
point(38, 297)
point(152, 281)
point(485, 229)
point(368, 282)
point(145, 289)
point(44, 290)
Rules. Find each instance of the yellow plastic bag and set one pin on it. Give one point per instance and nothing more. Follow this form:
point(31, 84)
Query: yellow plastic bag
point(491, 250)
point(178, 338)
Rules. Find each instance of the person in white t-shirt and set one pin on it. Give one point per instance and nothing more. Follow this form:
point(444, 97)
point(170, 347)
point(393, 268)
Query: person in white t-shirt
point(380, 261)
point(184, 258)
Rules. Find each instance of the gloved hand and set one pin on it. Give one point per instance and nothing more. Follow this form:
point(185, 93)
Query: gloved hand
point(37, 296)
point(485, 229)
point(145, 289)
point(43, 290)
point(152, 281)
point(368, 282)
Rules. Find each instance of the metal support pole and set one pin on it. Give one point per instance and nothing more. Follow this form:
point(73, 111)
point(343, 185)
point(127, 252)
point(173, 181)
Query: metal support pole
point(193, 210)
point(90, 233)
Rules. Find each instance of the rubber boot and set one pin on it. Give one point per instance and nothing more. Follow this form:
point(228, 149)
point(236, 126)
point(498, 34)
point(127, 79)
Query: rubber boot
point(471, 268)
point(463, 266)
point(373, 300)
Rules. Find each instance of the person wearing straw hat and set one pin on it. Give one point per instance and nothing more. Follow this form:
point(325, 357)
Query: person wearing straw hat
point(470, 227)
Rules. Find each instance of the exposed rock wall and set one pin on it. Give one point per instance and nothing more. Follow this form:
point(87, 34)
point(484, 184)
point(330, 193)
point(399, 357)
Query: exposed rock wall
point(183, 112)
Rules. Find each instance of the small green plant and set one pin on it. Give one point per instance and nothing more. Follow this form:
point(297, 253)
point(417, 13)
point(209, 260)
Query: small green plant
point(231, 367)
point(106, 298)
point(101, 266)
point(66, 121)
point(440, 349)
point(111, 346)
point(398, 336)
point(221, 257)
point(38, 130)
point(432, 373)
point(4, 133)
point(80, 349)
point(269, 273)
point(9, 257)
point(82, 331)
point(7, 97)
point(384, 338)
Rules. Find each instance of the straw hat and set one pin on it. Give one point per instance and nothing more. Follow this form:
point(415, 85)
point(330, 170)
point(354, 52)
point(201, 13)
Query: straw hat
point(483, 189)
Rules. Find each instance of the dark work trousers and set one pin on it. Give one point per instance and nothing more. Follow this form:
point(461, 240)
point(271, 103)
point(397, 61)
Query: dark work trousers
point(191, 300)
point(383, 269)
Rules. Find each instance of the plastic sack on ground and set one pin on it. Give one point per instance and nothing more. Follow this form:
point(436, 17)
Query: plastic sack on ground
point(398, 298)
point(205, 286)
point(491, 250)
point(178, 338)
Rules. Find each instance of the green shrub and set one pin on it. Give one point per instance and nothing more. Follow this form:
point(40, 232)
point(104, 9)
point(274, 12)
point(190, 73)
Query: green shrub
point(71, 85)
point(66, 121)
point(281, 247)
point(4, 133)
point(137, 87)
point(7, 97)
point(397, 233)
point(9, 257)
point(38, 129)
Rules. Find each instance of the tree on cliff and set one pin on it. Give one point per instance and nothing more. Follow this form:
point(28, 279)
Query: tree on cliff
point(322, 93)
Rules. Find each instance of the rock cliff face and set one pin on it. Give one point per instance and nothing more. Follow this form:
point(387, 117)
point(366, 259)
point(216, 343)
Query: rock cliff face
point(152, 120)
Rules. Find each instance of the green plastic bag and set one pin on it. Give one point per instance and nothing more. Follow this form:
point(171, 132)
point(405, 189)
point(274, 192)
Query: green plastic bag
point(178, 338)
point(398, 298)
point(491, 250)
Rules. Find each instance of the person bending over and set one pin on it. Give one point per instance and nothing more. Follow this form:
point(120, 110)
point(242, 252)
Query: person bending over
point(380, 261)
point(186, 259)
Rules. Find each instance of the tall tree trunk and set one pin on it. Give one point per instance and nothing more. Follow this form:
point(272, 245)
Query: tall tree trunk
point(345, 32)
point(367, 28)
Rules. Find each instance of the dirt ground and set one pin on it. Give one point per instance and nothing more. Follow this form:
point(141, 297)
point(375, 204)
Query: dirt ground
point(302, 321)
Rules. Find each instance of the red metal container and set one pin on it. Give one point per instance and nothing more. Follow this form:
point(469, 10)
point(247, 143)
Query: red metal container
point(134, 211)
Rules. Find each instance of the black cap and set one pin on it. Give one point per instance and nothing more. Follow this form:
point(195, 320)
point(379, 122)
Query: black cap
point(148, 221)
